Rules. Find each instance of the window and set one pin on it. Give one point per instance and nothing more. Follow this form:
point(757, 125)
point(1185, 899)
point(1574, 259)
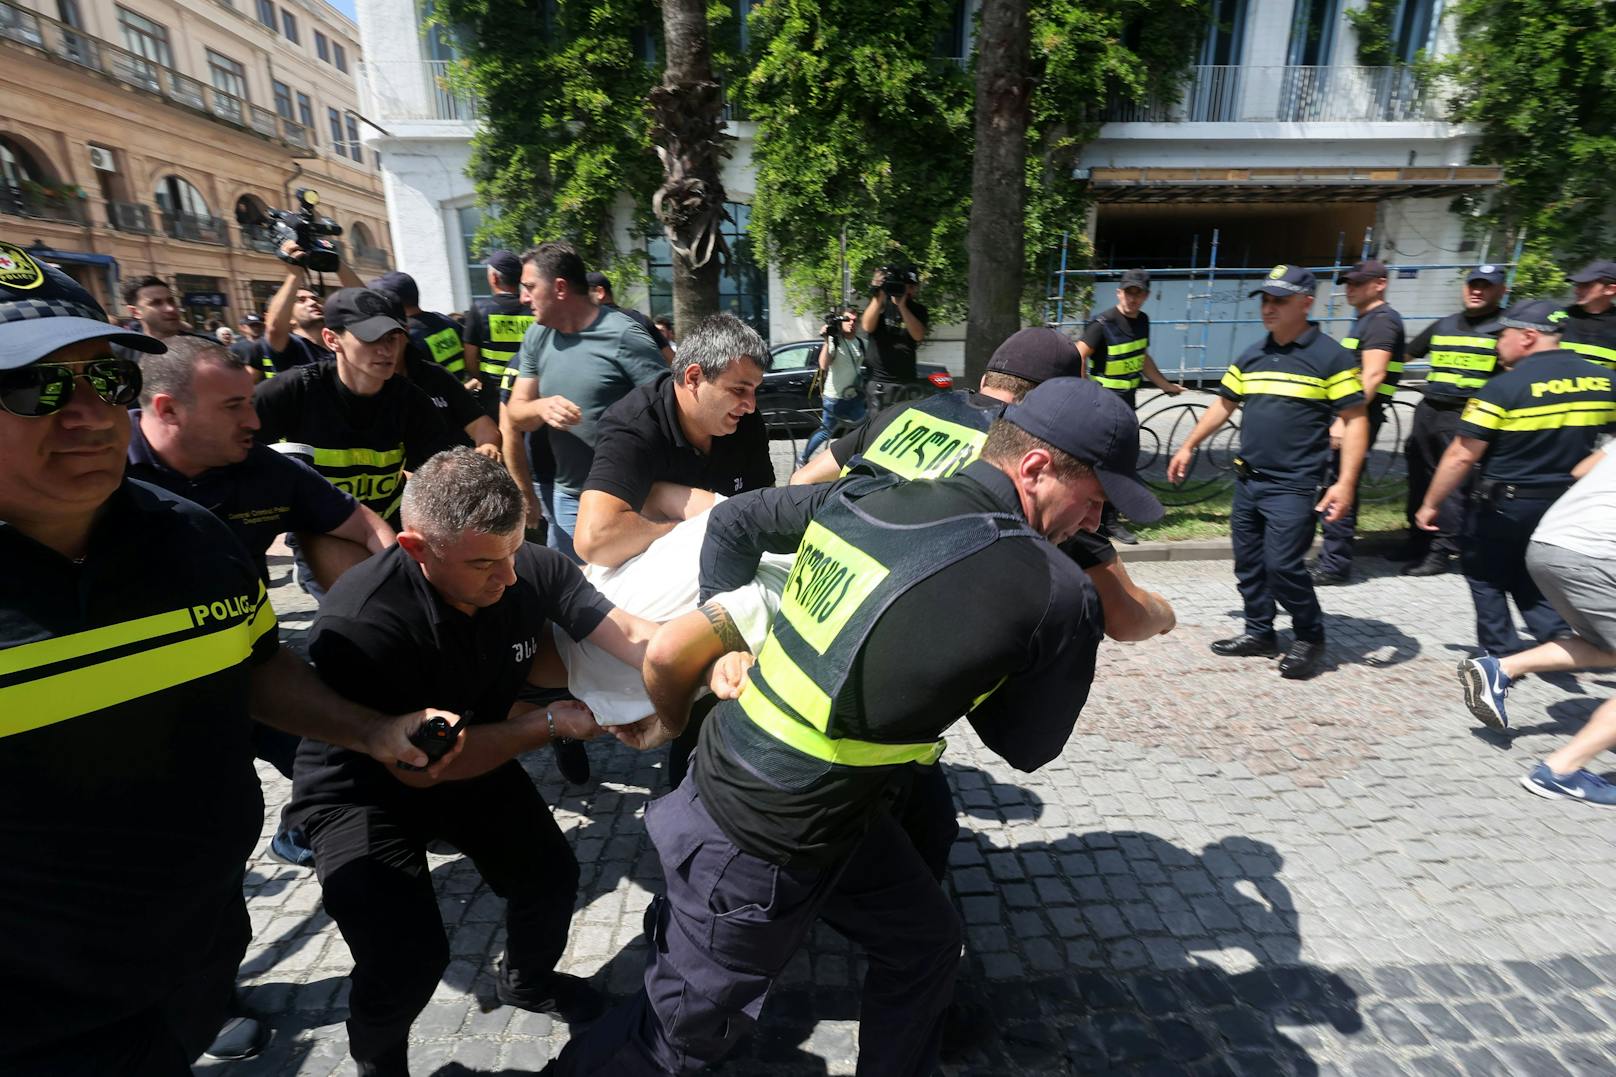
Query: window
point(305, 116)
point(354, 149)
point(16, 166)
point(338, 143)
point(1412, 33)
point(145, 39)
point(178, 196)
point(470, 219)
point(1225, 33)
point(743, 290)
point(339, 56)
point(322, 47)
point(228, 76)
point(283, 101)
point(1312, 33)
point(289, 26)
point(266, 13)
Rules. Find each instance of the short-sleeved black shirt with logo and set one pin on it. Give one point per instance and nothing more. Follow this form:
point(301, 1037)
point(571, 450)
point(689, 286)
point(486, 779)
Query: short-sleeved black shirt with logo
point(385, 638)
point(1380, 329)
point(299, 351)
point(892, 355)
point(456, 406)
point(640, 442)
point(1541, 418)
point(124, 727)
point(1592, 336)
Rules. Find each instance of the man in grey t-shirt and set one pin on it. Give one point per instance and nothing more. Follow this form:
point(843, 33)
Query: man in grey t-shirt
point(586, 359)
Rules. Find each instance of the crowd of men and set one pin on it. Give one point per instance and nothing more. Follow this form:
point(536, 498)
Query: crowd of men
point(456, 497)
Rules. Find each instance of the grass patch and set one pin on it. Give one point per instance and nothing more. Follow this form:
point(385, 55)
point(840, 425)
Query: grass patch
point(1210, 518)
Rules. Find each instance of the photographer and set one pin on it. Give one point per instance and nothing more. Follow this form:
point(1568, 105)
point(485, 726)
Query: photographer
point(841, 358)
point(296, 315)
point(895, 322)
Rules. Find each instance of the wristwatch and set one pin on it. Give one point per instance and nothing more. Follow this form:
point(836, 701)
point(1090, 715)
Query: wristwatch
point(549, 720)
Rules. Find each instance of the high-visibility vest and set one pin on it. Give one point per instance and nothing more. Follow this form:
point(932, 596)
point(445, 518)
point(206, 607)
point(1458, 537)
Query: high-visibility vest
point(1461, 358)
point(931, 438)
point(1121, 370)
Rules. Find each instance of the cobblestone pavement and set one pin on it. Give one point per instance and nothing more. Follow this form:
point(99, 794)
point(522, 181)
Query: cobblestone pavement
point(1223, 873)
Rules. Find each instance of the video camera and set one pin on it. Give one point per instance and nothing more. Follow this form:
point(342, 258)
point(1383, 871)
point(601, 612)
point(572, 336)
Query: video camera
point(302, 224)
point(833, 325)
point(897, 279)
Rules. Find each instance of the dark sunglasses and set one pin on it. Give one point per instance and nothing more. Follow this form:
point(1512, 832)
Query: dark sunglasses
point(41, 389)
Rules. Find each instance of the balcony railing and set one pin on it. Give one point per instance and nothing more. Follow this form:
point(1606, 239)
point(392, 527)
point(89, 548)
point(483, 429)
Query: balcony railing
point(1240, 94)
point(196, 228)
point(413, 90)
point(63, 42)
point(130, 217)
point(22, 202)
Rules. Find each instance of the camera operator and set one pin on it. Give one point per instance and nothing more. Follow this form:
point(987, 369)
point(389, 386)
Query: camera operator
point(895, 322)
point(841, 358)
point(296, 315)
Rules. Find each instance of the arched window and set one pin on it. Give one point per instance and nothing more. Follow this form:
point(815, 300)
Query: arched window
point(177, 196)
point(252, 216)
point(362, 243)
point(17, 165)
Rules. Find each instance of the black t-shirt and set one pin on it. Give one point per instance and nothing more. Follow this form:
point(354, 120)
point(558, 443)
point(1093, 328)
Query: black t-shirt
point(266, 495)
point(1015, 622)
point(386, 639)
point(1541, 418)
point(892, 353)
point(1592, 336)
point(1289, 394)
point(248, 350)
point(123, 728)
point(299, 351)
point(457, 408)
point(362, 445)
point(642, 321)
point(1380, 329)
point(441, 338)
point(640, 442)
point(1085, 547)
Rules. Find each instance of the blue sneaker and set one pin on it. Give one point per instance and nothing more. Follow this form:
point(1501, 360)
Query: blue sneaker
point(291, 847)
point(1580, 785)
point(1485, 685)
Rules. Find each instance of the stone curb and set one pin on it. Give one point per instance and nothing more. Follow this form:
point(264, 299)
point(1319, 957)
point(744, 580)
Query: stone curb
point(1222, 549)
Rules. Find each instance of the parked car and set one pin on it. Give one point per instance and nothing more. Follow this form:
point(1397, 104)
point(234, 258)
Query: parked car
point(784, 399)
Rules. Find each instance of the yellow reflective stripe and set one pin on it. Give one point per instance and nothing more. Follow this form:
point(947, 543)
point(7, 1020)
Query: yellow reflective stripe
point(1464, 381)
point(1283, 375)
point(1112, 351)
point(64, 648)
point(1280, 388)
point(1126, 366)
point(829, 581)
point(358, 457)
point(48, 700)
point(1344, 384)
point(977, 702)
point(1386, 389)
point(1463, 360)
point(1233, 380)
point(1116, 383)
point(508, 328)
point(1349, 343)
point(1602, 356)
point(1555, 416)
point(1484, 414)
point(791, 684)
point(917, 445)
point(1485, 343)
point(842, 750)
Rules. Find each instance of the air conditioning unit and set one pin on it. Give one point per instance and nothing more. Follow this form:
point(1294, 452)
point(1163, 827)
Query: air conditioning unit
point(102, 160)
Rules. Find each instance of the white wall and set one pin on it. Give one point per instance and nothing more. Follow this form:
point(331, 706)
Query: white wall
point(424, 181)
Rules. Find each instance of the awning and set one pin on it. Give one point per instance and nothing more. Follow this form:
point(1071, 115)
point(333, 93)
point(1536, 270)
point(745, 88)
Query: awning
point(82, 258)
point(1163, 185)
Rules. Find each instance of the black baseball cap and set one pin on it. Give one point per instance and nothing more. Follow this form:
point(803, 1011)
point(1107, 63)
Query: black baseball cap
point(1288, 280)
point(1593, 271)
point(1091, 425)
point(400, 284)
point(364, 312)
point(1544, 315)
point(252, 319)
point(1134, 278)
point(1490, 273)
point(596, 279)
point(507, 265)
point(43, 309)
point(1037, 354)
point(1364, 271)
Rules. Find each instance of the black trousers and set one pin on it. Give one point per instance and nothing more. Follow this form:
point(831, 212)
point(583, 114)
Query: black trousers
point(372, 865)
point(1271, 526)
point(1336, 553)
point(1433, 431)
point(1494, 562)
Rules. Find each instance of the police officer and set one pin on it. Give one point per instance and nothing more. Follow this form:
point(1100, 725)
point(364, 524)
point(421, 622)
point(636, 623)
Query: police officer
point(1590, 326)
point(1293, 384)
point(495, 325)
point(1116, 345)
point(1526, 428)
point(1377, 338)
point(248, 346)
point(1462, 354)
point(780, 822)
point(135, 640)
point(440, 336)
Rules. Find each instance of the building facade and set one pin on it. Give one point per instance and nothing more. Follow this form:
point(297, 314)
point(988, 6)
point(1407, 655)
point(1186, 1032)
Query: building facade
point(149, 136)
point(1283, 146)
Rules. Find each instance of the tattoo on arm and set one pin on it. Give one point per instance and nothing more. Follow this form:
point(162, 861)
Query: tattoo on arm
point(723, 627)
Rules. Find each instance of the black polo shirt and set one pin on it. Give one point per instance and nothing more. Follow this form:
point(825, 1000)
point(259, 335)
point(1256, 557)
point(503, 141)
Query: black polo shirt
point(1541, 418)
point(457, 408)
point(362, 445)
point(1592, 336)
point(640, 442)
point(266, 495)
point(128, 798)
point(386, 639)
point(891, 356)
point(1007, 634)
point(299, 351)
point(1290, 393)
point(1380, 329)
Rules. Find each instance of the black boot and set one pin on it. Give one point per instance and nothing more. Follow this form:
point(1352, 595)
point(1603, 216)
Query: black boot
point(1303, 660)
